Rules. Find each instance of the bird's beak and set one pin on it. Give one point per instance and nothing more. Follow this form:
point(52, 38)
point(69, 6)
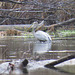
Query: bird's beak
point(29, 28)
point(39, 27)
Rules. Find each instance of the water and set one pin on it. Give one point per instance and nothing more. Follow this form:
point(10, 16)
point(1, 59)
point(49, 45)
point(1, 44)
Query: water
point(19, 48)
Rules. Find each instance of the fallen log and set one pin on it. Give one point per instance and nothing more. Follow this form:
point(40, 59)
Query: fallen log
point(52, 64)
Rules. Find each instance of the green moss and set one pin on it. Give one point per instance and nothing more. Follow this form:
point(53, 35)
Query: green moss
point(66, 33)
point(29, 35)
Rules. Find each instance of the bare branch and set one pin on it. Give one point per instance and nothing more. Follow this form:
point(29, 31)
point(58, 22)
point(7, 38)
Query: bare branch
point(65, 58)
point(17, 10)
point(10, 10)
point(11, 1)
point(62, 23)
point(4, 21)
point(31, 11)
point(25, 19)
point(26, 2)
point(66, 11)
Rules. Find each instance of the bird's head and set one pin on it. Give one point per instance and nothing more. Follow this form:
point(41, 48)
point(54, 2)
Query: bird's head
point(34, 25)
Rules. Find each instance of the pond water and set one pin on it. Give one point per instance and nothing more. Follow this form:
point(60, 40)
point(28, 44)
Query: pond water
point(20, 48)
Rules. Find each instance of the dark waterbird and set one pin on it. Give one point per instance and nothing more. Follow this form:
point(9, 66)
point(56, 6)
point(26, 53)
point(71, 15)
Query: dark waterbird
point(24, 63)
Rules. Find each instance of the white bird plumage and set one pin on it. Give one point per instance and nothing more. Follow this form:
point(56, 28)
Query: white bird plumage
point(40, 35)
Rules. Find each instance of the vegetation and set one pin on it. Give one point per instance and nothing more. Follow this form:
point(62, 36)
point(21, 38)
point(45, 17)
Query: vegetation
point(28, 35)
point(66, 33)
point(28, 11)
point(13, 32)
point(13, 12)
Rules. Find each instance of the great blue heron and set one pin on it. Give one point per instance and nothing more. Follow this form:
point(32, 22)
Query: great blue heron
point(40, 35)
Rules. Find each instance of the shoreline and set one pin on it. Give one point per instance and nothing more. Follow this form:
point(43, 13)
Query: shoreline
point(31, 36)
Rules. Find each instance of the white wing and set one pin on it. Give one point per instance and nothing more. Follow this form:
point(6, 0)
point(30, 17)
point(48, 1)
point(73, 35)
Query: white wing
point(40, 35)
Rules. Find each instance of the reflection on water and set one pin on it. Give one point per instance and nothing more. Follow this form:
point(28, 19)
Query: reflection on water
point(41, 48)
point(36, 67)
point(20, 48)
point(63, 45)
point(68, 68)
point(45, 71)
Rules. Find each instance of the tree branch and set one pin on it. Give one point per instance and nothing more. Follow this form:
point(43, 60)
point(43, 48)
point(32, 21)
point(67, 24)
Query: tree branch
point(61, 23)
point(26, 19)
point(48, 10)
point(16, 2)
point(3, 21)
point(26, 2)
point(52, 64)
